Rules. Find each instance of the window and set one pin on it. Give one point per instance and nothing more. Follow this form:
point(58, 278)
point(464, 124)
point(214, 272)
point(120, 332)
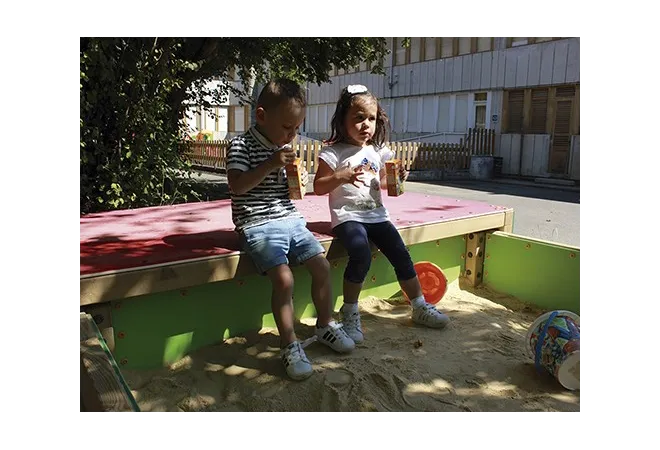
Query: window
point(429, 48)
point(415, 49)
point(399, 52)
point(464, 45)
point(484, 44)
point(543, 39)
point(198, 118)
point(517, 41)
point(480, 101)
point(447, 48)
point(527, 110)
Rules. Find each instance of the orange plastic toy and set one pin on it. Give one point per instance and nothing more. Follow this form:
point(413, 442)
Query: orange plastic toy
point(433, 281)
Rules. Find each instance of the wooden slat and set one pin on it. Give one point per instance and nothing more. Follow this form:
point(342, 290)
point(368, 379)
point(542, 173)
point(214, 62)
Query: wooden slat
point(429, 154)
point(440, 149)
point(475, 244)
point(527, 110)
point(575, 127)
point(550, 119)
point(452, 156)
point(414, 156)
point(469, 139)
point(102, 386)
point(436, 160)
point(492, 142)
point(231, 116)
point(317, 150)
point(466, 156)
point(408, 153)
point(308, 156)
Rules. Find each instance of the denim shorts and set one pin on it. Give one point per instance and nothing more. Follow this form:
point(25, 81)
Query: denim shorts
point(278, 242)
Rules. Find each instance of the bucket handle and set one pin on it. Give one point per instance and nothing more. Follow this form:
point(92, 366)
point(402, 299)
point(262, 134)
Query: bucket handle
point(539, 343)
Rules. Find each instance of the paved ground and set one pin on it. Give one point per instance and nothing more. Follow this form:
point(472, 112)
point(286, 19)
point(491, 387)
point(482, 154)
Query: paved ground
point(548, 213)
point(540, 212)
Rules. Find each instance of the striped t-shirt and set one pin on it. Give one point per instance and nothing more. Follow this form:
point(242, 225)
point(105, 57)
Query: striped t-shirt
point(267, 201)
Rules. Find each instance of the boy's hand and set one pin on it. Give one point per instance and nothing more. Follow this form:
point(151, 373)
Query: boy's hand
point(403, 174)
point(350, 175)
point(282, 157)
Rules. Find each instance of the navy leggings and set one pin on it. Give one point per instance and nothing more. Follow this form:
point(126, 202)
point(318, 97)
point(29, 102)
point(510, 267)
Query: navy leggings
point(355, 237)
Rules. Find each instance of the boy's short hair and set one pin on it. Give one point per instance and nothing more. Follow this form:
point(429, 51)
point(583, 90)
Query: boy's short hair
point(280, 90)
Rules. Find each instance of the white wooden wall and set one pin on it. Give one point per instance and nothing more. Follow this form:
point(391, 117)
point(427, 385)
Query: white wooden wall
point(574, 163)
point(553, 62)
point(535, 156)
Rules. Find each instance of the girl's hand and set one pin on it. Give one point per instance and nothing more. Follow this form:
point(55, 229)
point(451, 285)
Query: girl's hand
point(350, 175)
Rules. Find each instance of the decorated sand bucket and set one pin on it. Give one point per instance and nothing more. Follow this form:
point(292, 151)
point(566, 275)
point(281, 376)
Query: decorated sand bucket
point(432, 280)
point(553, 341)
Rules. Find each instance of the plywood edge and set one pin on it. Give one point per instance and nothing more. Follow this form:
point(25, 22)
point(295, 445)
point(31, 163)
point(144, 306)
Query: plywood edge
point(540, 241)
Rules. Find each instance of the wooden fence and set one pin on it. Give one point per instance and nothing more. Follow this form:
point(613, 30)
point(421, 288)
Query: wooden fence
point(415, 155)
point(480, 141)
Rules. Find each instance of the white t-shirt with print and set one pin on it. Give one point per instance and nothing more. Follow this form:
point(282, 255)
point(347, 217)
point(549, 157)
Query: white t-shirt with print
point(363, 203)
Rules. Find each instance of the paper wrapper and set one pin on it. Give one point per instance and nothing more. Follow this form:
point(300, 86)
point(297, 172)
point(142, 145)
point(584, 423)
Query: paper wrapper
point(394, 184)
point(294, 172)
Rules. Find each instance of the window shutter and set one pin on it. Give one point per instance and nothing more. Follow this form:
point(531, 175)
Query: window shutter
point(515, 107)
point(539, 110)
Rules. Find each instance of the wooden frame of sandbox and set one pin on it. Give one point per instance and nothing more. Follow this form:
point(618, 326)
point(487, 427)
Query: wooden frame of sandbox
point(162, 282)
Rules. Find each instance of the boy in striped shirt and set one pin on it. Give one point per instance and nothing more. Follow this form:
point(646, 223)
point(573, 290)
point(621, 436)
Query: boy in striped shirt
point(271, 229)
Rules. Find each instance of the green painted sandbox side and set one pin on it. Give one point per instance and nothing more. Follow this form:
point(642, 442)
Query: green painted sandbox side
point(157, 329)
point(541, 273)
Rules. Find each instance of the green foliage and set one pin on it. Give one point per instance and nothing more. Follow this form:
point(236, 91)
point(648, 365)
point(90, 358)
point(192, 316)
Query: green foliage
point(134, 91)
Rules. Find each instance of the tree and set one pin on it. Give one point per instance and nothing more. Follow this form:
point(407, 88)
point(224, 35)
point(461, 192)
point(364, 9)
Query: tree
point(133, 93)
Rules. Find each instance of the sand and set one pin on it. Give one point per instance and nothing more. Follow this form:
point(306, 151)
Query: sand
point(478, 363)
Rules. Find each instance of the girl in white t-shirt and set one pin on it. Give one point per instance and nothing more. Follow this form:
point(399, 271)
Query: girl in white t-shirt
point(352, 170)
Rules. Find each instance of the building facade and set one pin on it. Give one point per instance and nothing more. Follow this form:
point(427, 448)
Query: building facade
point(434, 90)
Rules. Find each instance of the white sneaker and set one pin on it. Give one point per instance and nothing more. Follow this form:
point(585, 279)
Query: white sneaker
point(295, 361)
point(430, 317)
point(352, 325)
point(335, 337)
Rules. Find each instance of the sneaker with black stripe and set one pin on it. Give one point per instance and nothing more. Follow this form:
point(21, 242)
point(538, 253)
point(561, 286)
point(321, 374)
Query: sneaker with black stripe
point(334, 336)
point(295, 361)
